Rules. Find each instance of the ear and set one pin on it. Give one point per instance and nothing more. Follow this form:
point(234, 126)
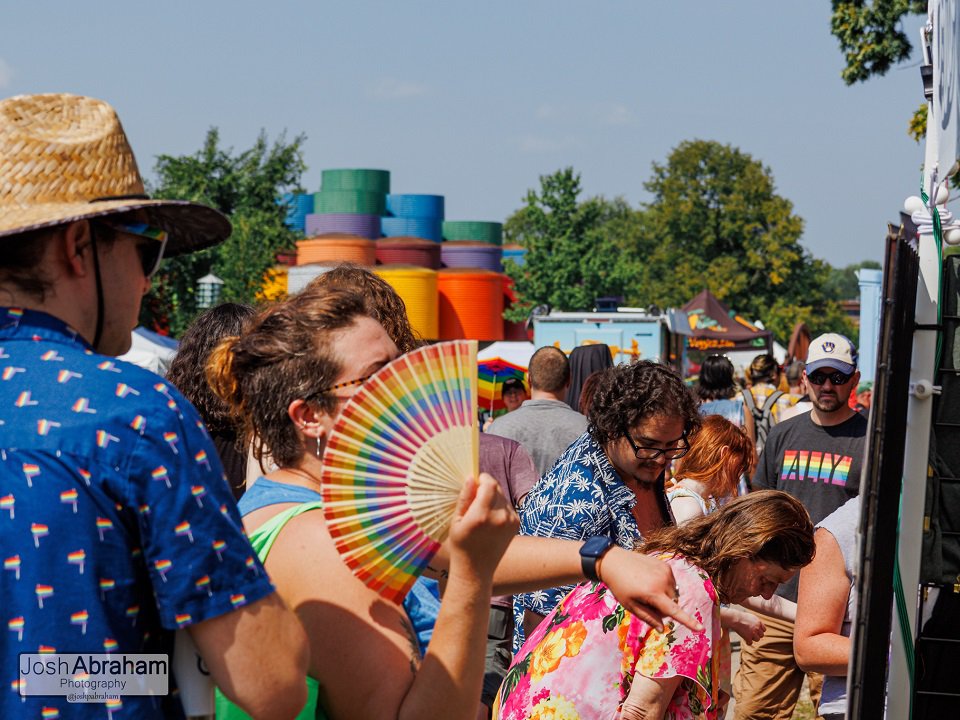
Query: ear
point(75, 241)
point(309, 422)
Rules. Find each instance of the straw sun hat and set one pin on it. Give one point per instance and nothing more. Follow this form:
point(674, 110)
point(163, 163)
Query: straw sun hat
point(65, 157)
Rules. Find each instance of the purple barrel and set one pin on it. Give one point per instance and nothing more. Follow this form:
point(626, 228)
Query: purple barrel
point(367, 226)
point(468, 254)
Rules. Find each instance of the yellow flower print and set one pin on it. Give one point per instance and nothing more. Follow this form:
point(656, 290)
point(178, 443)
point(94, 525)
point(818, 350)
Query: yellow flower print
point(654, 652)
point(575, 633)
point(555, 708)
point(562, 642)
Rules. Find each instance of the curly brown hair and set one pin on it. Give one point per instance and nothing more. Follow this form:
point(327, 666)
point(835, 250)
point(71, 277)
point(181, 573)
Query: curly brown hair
point(382, 302)
point(627, 394)
point(284, 354)
point(767, 525)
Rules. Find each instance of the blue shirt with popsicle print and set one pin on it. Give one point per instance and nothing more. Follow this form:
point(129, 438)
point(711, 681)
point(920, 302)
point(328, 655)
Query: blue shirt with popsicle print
point(116, 524)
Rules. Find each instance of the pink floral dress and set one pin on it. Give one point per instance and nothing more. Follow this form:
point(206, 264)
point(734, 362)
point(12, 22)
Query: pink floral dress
point(579, 664)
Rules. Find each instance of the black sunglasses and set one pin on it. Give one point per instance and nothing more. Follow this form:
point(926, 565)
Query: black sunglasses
point(837, 378)
point(151, 251)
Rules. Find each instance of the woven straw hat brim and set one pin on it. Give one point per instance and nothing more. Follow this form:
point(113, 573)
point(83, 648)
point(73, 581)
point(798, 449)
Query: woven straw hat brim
point(60, 154)
point(191, 226)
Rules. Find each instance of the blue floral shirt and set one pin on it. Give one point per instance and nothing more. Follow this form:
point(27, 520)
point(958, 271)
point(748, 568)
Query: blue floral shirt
point(582, 496)
point(116, 524)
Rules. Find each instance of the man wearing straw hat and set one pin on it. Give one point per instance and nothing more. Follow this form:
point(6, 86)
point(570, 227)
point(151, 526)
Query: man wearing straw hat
point(116, 526)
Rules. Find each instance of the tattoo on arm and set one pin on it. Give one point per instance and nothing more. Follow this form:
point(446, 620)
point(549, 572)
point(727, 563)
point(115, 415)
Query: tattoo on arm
point(414, 645)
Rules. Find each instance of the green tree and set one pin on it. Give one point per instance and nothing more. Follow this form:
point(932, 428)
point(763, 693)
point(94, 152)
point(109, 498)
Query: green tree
point(872, 41)
point(716, 221)
point(246, 187)
point(843, 283)
point(569, 247)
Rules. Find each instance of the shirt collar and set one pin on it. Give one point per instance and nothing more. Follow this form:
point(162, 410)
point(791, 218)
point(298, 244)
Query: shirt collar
point(20, 324)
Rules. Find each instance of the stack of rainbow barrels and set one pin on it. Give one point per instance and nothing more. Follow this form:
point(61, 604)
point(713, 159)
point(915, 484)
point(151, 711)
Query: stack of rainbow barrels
point(448, 272)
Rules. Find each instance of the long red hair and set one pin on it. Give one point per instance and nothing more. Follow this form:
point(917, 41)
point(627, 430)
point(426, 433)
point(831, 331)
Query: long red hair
point(720, 452)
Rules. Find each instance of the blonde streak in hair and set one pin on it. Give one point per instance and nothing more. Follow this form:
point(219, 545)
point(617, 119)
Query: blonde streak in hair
point(220, 374)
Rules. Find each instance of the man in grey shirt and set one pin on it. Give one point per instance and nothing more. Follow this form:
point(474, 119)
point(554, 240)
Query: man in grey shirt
point(544, 425)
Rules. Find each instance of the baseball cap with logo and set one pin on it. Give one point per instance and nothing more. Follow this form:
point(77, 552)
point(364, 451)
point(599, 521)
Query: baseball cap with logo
point(834, 351)
point(512, 384)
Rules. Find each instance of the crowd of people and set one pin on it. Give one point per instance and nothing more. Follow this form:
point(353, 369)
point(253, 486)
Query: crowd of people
point(624, 526)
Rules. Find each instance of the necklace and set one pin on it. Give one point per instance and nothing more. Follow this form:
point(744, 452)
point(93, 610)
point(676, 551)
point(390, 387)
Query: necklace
point(306, 476)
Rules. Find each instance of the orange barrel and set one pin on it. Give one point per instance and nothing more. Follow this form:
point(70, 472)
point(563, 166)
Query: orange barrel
point(408, 251)
point(299, 276)
point(418, 288)
point(471, 304)
point(336, 248)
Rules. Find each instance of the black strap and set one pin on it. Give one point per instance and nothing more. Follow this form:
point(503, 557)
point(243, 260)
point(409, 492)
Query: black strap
point(96, 271)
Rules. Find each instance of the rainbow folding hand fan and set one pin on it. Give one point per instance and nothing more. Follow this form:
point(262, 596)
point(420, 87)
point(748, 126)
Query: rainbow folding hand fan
point(396, 461)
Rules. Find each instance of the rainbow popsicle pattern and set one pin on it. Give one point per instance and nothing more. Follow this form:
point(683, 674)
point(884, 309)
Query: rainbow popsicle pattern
point(108, 366)
point(69, 497)
point(139, 423)
point(16, 625)
point(38, 531)
point(77, 557)
point(12, 564)
point(110, 645)
point(198, 491)
point(10, 371)
point(238, 599)
point(218, 547)
point(103, 525)
point(113, 705)
point(163, 567)
point(82, 405)
point(161, 473)
point(183, 530)
point(49, 713)
point(104, 438)
point(85, 475)
point(106, 585)
point(43, 591)
point(24, 400)
point(51, 356)
point(66, 375)
point(30, 471)
point(80, 618)
point(45, 426)
point(201, 459)
point(171, 439)
point(204, 584)
point(124, 390)
point(132, 612)
point(7, 502)
point(182, 619)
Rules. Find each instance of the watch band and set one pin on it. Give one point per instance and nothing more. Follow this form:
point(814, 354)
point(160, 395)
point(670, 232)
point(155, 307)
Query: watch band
point(591, 552)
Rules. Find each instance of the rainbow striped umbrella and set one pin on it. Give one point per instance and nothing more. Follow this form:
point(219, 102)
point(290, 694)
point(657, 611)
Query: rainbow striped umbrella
point(492, 374)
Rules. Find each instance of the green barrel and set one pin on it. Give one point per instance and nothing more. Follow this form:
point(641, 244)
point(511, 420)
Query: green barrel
point(476, 230)
point(376, 181)
point(350, 201)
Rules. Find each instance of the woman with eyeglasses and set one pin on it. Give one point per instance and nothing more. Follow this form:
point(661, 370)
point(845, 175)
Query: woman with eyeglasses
point(608, 486)
point(590, 658)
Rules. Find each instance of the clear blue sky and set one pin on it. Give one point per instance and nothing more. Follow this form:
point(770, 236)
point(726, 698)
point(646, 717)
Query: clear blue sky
point(476, 101)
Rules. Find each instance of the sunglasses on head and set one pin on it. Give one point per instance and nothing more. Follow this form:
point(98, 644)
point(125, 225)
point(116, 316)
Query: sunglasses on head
point(151, 253)
point(837, 378)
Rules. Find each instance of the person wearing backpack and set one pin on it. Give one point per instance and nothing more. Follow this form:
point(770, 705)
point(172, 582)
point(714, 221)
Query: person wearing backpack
point(763, 398)
point(817, 457)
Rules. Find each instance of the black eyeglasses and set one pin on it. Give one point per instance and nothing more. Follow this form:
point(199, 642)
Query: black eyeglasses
point(837, 377)
point(652, 453)
point(151, 251)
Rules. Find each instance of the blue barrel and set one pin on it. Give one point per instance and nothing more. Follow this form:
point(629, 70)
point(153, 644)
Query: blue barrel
point(426, 228)
point(298, 205)
point(415, 206)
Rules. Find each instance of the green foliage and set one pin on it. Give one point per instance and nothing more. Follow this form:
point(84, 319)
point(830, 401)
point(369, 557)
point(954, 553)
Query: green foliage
point(917, 128)
point(717, 222)
point(871, 35)
point(843, 284)
point(246, 187)
point(569, 247)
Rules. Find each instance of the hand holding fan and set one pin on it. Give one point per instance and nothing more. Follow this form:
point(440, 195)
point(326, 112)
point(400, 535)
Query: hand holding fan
point(396, 461)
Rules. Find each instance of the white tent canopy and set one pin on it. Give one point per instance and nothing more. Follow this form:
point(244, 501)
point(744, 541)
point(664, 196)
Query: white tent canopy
point(151, 350)
point(515, 353)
